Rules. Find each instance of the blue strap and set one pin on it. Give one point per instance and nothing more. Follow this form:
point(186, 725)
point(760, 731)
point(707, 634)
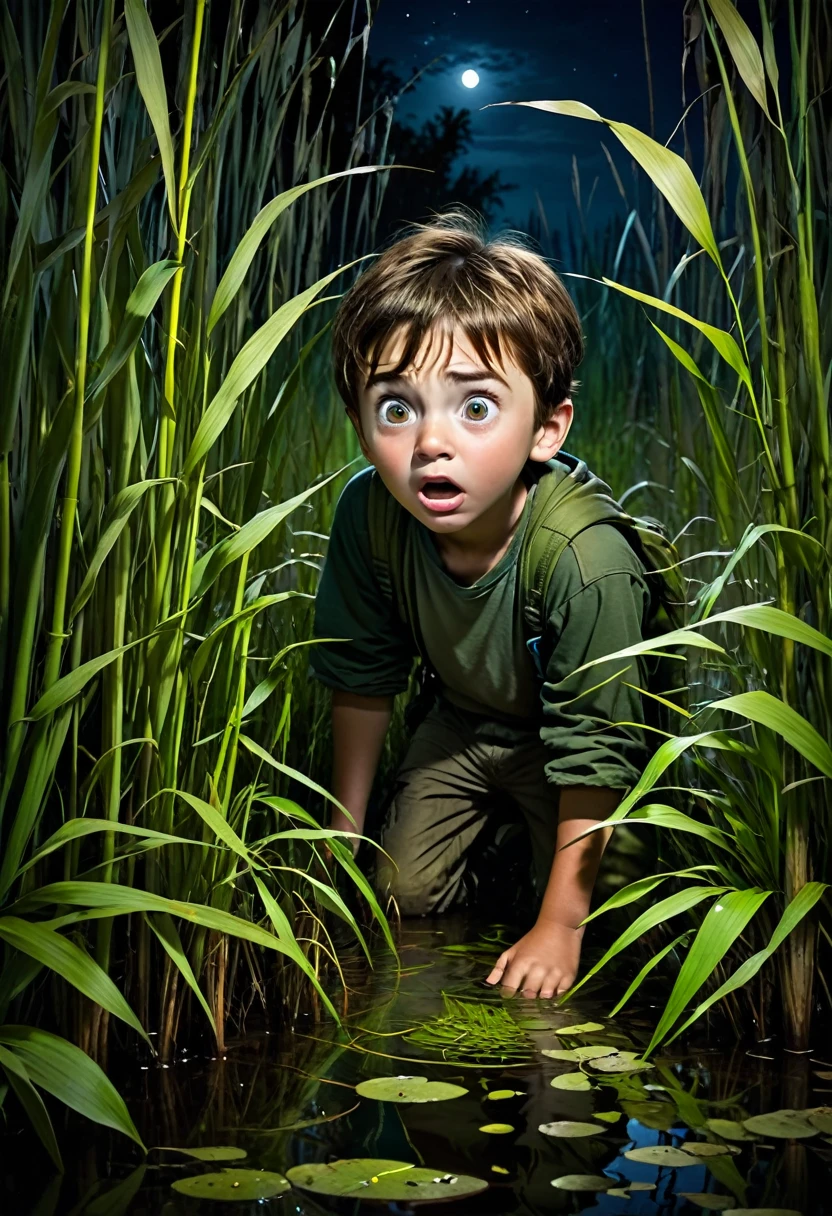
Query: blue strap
point(533, 647)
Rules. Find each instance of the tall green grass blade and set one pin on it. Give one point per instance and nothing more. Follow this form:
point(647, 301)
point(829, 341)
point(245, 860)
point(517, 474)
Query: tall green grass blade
point(161, 923)
point(643, 886)
point(744, 50)
point(659, 914)
point(32, 1103)
point(68, 1073)
point(802, 904)
point(724, 922)
point(151, 82)
point(140, 304)
point(649, 966)
point(760, 706)
point(73, 964)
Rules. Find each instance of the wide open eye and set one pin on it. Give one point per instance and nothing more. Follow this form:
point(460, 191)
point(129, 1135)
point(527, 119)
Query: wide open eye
point(479, 409)
point(393, 412)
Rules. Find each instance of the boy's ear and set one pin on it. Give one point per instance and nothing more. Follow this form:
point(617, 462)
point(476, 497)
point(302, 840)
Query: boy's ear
point(551, 436)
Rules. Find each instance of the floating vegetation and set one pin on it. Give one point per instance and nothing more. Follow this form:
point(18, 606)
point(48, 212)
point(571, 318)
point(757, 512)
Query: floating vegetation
point(567, 1129)
point(608, 1116)
point(575, 1082)
point(624, 1192)
point(711, 1203)
point(233, 1184)
point(408, 1089)
point(222, 1152)
point(729, 1129)
point(498, 1095)
point(473, 1030)
point(621, 1061)
point(574, 1055)
point(582, 1182)
point(662, 1155)
point(584, 1028)
point(497, 1129)
point(704, 1148)
point(383, 1181)
point(782, 1125)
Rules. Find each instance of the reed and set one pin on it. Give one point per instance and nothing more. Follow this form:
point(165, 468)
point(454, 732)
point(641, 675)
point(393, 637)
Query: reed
point(741, 469)
point(168, 254)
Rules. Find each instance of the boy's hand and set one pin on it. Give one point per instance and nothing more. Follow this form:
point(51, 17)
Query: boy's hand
point(543, 963)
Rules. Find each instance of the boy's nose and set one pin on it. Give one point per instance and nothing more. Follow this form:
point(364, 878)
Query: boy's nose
point(433, 440)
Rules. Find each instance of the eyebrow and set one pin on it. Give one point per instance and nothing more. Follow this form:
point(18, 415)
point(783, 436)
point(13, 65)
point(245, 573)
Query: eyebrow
point(454, 377)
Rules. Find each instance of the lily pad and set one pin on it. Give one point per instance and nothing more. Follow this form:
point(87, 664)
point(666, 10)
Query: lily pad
point(595, 1053)
point(535, 1024)
point(823, 1074)
point(583, 1028)
point(704, 1148)
point(708, 1201)
point(497, 1095)
point(821, 1118)
point(383, 1181)
point(497, 1129)
point(233, 1184)
point(575, 1082)
point(729, 1129)
point(560, 1053)
point(408, 1089)
point(662, 1155)
point(220, 1152)
point(582, 1182)
point(607, 1116)
point(498, 1169)
point(569, 1130)
point(621, 1061)
point(781, 1125)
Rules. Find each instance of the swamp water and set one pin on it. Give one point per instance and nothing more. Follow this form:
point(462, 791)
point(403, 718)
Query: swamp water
point(667, 1139)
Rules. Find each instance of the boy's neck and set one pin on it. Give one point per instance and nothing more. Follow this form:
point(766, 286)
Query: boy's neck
point(476, 549)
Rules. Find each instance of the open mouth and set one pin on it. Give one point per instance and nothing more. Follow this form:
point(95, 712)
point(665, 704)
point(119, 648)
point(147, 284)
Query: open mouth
point(439, 490)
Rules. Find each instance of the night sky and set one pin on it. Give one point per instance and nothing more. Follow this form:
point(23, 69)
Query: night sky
point(522, 50)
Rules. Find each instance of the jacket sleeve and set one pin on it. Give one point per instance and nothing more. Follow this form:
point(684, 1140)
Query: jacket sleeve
point(584, 715)
point(377, 656)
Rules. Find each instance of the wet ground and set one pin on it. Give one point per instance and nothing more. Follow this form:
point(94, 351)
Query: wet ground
point(290, 1100)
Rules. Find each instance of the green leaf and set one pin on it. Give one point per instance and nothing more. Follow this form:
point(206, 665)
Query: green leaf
point(772, 620)
point(118, 514)
point(218, 824)
point(69, 1074)
point(643, 886)
point(728, 1129)
point(669, 172)
point(744, 50)
point(408, 1089)
point(581, 1028)
point(220, 1152)
point(383, 1181)
point(140, 304)
point(228, 1185)
point(499, 1095)
point(247, 367)
point(573, 1082)
point(76, 829)
point(724, 922)
point(497, 1129)
point(567, 1129)
point(212, 563)
point(71, 963)
point(32, 1103)
point(646, 969)
point(621, 1062)
point(151, 82)
point(662, 1155)
point(781, 1125)
point(167, 933)
point(661, 912)
point(582, 1182)
point(800, 906)
point(283, 930)
point(243, 255)
point(760, 706)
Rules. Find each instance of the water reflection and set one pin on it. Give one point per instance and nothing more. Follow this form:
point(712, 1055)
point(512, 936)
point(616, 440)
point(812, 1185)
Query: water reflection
point(290, 1100)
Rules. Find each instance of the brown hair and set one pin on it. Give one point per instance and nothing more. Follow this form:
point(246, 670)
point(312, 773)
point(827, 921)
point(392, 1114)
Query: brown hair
point(445, 273)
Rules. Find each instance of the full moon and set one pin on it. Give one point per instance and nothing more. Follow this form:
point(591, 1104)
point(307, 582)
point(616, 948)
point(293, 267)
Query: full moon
point(470, 78)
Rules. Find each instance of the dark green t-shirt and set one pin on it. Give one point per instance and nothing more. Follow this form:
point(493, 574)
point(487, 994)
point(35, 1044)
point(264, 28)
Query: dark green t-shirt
point(475, 640)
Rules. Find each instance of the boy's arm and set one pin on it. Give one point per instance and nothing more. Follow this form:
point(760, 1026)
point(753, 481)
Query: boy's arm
point(359, 728)
point(545, 960)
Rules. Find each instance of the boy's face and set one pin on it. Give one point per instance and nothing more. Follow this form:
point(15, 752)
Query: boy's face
point(448, 437)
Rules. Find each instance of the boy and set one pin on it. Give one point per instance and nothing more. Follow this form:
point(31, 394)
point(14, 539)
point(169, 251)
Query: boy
point(454, 356)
